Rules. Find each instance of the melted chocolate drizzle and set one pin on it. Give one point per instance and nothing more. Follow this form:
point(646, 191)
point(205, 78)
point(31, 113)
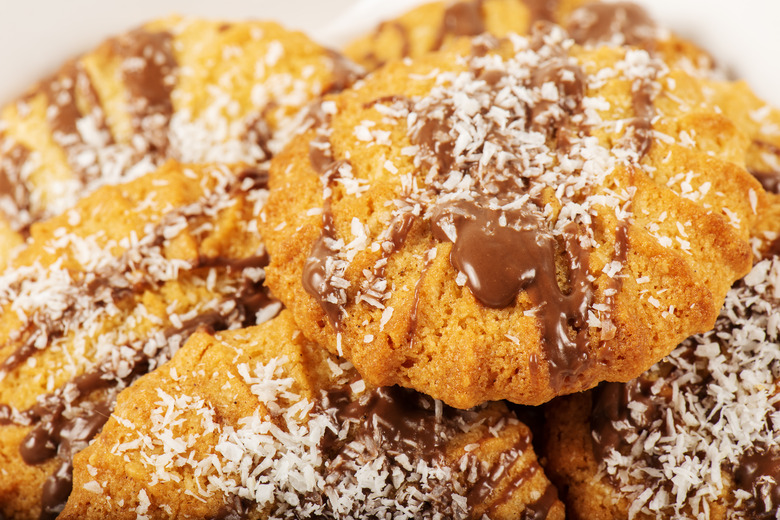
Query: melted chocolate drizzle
point(13, 158)
point(599, 22)
point(316, 270)
point(73, 83)
point(540, 509)
point(345, 73)
point(610, 407)
point(148, 72)
point(500, 261)
point(460, 19)
point(758, 473)
point(403, 33)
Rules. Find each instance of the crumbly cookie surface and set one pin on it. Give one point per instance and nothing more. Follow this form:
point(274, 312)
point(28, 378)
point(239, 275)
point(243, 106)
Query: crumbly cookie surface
point(177, 88)
point(107, 292)
point(260, 423)
point(517, 222)
point(694, 437)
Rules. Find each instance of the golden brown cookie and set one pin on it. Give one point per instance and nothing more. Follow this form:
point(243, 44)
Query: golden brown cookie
point(515, 222)
point(107, 292)
point(260, 423)
point(693, 437)
point(435, 25)
point(189, 89)
point(759, 120)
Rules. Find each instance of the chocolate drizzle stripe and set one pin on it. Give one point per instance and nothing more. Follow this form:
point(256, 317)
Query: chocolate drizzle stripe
point(758, 473)
point(601, 22)
point(541, 10)
point(71, 87)
point(13, 158)
point(344, 72)
point(540, 508)
point(460, 19)
point(406, 44)
point(148, 71)
point(318, 268)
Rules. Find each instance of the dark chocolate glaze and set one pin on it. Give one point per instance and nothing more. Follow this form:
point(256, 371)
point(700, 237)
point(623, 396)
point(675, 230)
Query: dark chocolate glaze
point(615, 284)
point(500, 261)
point(73, 83)
point(234, 509)
point(460, 19)
point(540, 509)
point(541, 10)
point(13, 157)
point(149, 73)
point(316, 280)
point(56, 491)
point(402, 418)
point(610, 406)
point(495, 476)
point(258, 132)
point(769, 180)
point(599, 22)
point(411, 328)
point(774, 248)
point(758, 473)
point(639, 130)
point(345, 73)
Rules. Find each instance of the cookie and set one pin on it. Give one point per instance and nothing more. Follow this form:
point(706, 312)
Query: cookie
point(178, 88)
point(106, 292)
point(259, 423)
point(435, 25)
point(759, 120)
point(695, 436)
point(589, 23)
point(515, 222)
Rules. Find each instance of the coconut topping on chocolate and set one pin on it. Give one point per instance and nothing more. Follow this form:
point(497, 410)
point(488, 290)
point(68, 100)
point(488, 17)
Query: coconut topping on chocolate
point(705, 419)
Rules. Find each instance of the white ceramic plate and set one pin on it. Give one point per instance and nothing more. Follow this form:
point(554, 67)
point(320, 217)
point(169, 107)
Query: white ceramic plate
point(37, 35)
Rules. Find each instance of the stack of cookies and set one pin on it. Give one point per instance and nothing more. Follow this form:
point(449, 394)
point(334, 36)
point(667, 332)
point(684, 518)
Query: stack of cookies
point(499, 259)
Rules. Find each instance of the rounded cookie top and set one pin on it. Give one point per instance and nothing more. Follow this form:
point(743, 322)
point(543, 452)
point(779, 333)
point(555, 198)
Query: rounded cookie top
point(260, 423)
point(107, 292)
point(510, 220)
point(696, 436)
point(188, 89)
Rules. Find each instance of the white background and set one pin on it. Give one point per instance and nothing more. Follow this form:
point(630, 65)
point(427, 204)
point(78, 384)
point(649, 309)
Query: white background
point(37, 35)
